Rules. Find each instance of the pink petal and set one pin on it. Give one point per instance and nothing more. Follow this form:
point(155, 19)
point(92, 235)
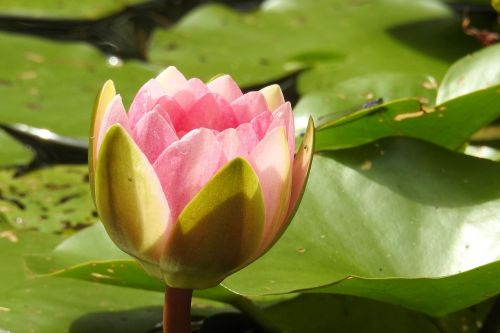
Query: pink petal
point(274, 96)
point(238, 142)
point(300, 172)
point(190, 92)
point(196, 87)
point(184, 98)
point(144, 101)
point(283, 116)
point(211, 111)
point(185, 167)
point(153, 134)
point(271, 161)
point(261, 124)
point(226, 87)
point(249, 106)
point(115, 114)
point(171, 110)
point(301, 167)
point(171, 80)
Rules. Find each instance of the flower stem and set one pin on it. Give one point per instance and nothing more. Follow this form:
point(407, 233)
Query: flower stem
point(177, 311)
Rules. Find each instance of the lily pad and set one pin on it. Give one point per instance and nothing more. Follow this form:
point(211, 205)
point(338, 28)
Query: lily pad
point(271, 42)
point(13, 244)
point(476, 71)
point(398, 220)
point(53, 85)
point(431, 247)
point(323, 312)
point(64, 9)
point(55, 199)
point(449, 125)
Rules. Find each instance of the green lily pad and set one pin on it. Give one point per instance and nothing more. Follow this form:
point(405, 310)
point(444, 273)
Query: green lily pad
point(331, 37)
point(412, 224)
point(399, 220)
point(53, 85)
point(346, 97)
point(449, 125)
point(64, 9)
point(323, 312)
point(55, 199)
point(13, 244)
point(477, 71)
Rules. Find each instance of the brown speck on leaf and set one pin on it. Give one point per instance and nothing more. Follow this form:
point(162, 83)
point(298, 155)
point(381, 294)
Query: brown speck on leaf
point(369, 95)
point(430, 84)
point(28, 75)
point(301, 249)
point(33, 106)
point(100, 276)
point(341, 97)
point(35, 57)
point(423, 100)
point(5, 83)
point(408, 115)
point(10, 235)
point(367, 165)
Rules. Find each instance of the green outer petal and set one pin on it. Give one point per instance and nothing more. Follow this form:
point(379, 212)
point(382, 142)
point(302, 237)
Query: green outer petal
point(102, 100)
point(129, 197)
point(300, 173)
point(217, 231)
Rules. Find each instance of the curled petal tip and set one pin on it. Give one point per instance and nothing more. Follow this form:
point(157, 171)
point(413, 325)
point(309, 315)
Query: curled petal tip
point(274, 96)
point(170, 80)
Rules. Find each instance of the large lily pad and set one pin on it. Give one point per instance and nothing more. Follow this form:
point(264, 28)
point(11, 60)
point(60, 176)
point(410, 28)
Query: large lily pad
point(53, 85)
point(397, 220)
point(63, 9)
point(271, 42)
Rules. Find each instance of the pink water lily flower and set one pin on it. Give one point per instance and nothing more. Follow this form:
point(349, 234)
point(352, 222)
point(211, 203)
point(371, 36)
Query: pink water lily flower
point(196, 180)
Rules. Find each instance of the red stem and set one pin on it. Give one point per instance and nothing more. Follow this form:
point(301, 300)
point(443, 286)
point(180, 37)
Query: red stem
point(177, 311)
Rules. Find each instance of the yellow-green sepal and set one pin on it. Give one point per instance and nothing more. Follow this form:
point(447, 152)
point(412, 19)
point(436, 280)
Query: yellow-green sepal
point(218, 231)
point(102, 100)
point(129, 197)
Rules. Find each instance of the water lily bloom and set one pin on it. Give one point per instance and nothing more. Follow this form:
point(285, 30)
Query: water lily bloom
point(197, 180)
